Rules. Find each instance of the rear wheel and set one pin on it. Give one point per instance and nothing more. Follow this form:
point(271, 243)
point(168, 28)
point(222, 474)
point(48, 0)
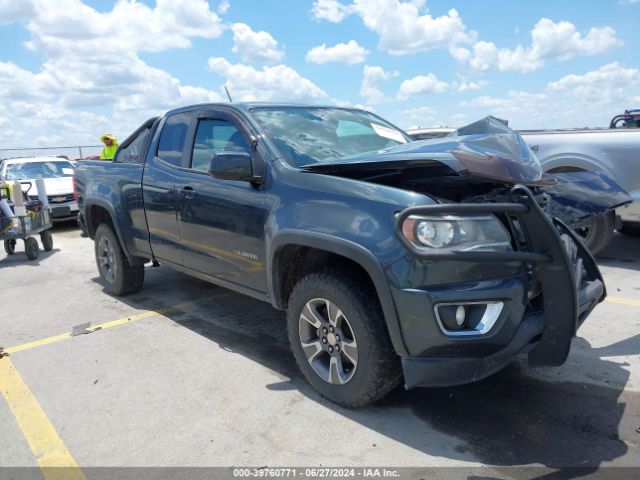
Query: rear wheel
point(10, 246)
point(339, 339)
point(119, 277)
point(596, 232)
point(47, 240)
point(31, 248)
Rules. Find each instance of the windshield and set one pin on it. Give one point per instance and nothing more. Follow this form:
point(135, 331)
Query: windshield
point(311, 135)
point(31, 170)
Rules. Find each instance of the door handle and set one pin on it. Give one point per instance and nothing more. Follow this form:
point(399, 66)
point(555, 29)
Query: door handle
point(188, 192)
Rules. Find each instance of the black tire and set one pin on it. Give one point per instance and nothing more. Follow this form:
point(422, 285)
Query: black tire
point(631, 228)
point(47, 240)
point(31, 248)
point(377, 370)
point(119, 277)
point(598, 233)
point(10, 246)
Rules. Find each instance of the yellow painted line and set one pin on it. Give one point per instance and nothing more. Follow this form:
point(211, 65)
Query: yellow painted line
point(52, 455)
point(623, 301)
point(93, 328)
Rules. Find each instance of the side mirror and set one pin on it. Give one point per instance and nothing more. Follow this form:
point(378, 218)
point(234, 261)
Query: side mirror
point(228, 165)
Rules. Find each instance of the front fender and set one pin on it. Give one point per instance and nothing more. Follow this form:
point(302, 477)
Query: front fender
point(345, 248)
point(578, 195)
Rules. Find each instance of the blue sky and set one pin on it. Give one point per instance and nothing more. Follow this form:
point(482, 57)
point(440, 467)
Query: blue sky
point(71, 69)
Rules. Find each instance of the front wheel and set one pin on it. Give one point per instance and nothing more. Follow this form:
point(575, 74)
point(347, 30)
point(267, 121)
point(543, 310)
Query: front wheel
point(339, 339)
point(119, 277)
point(596, 233)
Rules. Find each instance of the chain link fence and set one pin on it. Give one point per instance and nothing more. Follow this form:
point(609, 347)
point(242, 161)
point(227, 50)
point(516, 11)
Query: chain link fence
point(72, 153)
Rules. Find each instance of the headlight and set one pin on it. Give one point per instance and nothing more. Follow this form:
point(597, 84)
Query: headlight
point(457, 233)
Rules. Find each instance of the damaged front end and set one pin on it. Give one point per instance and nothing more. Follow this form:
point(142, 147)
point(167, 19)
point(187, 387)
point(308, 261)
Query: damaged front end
point(565, 286)
point(494, 204)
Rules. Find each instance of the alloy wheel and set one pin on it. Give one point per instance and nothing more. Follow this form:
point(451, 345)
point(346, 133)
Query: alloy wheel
point(328, 341)
point(107, 260)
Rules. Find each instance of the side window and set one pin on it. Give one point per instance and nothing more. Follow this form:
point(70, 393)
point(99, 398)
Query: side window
point(134, 152)
point(172, 138)
point(215, 136)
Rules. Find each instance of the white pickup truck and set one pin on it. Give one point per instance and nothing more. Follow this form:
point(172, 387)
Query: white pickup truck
point(614, 151)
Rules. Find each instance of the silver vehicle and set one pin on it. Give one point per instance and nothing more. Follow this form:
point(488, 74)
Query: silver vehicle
point(616, 152)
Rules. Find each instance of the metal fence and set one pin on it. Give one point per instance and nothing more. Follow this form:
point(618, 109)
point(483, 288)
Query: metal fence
point(73, 152)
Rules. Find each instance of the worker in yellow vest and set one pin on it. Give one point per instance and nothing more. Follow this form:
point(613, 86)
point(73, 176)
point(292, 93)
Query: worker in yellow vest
point(110, 147)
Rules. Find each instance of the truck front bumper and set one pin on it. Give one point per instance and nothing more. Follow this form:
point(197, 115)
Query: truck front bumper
point(540, 312)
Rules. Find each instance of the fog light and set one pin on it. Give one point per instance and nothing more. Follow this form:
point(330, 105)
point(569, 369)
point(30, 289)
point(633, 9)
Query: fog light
point(461, 315)
point(468, 318)
point(452, 316)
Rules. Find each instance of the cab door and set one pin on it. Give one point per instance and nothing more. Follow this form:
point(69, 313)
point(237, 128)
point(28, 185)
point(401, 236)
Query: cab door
point(221, 221)
point(166, 156)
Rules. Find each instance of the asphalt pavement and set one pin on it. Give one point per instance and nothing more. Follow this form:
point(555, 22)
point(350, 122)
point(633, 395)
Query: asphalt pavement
point(185, 373)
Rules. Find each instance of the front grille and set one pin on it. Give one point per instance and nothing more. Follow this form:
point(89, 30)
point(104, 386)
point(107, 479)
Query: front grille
point(56, 199)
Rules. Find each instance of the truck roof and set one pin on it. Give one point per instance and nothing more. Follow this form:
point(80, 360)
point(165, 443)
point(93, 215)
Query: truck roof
point(249, 105)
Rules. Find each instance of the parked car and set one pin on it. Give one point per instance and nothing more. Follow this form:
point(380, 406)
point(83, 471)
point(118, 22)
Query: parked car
point(432, 263)
point(57, 173)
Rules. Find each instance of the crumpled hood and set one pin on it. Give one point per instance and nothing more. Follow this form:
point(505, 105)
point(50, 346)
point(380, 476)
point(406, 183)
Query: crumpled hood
point(485, 149)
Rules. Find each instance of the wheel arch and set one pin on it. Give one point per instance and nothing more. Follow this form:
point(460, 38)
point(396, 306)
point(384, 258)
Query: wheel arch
point(294, 247)
point(564, 163)
point(97, 213)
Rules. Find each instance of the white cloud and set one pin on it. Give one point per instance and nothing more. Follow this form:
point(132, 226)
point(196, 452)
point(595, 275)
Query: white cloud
point(224, 7)
point(349, 52)
point(14, 10)
point(67, 27)
point(330, 10)
point(485, 56)
point(421, 84)
point(255, 46)
point(613, 76)
point(402, 27)
point(466, 86)
point(372, 78)
point(572, 101)
point(92, 78)
point(549, 41)
point(421, 117)
point(279, 82)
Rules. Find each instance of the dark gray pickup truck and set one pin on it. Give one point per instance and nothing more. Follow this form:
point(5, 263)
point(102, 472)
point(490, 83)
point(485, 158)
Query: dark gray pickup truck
point(431, 262)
